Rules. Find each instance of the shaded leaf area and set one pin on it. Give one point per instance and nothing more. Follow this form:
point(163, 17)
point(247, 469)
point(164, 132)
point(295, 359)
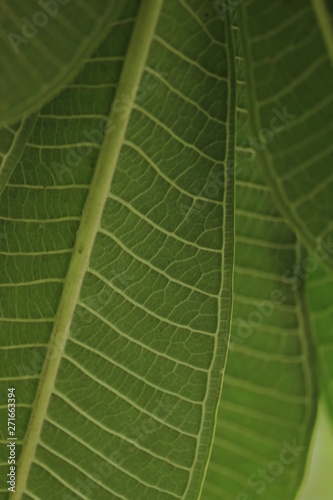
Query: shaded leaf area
point(12, 143)
point(42, 45)
point(319, 294)
point(133, 404)
point(291, 108)
point(267, 410)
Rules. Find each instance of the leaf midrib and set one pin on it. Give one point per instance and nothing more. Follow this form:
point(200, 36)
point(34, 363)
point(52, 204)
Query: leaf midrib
point(134, 64)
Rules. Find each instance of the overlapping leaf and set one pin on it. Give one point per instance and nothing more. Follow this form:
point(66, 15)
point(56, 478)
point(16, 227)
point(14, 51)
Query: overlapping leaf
point(42, 45)
point(136, 315)
point(289, 73)
point(268, 403)
point(116, 260)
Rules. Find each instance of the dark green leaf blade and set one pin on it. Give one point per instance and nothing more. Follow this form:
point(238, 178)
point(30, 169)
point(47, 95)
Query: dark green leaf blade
point(43, 44)
point(289, 74)
point(140, 308)
point(269, 397)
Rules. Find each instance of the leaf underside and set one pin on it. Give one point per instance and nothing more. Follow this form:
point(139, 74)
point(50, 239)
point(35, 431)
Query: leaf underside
point(269, 390)
point(145, 336)
point(117, 248)
point(289, 67)
point(42, 45)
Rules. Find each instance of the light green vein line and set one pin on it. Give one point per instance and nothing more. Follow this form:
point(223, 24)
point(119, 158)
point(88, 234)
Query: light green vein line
point(269, 392)
point(298, 169)
point(174, 136)
point(160, 228)
point(129, 81)
point(112, 432)
point(183, 96)
point(323, 280)
point(298, 146)
point(137, 342)
point(131, 403)
point(309, 113)
point(263, 243)
point(257, 273)
point(240, 451)
point(29, 494)
point(269, 356)
point(303, 77)
point(104, 59)
point(31, 70)
point(91, 86)
point(289, 49)
point(62, 146)
point(259, 216)
point(151, 313)
point(202, 25)
point(11, 158)
point(73, 117)
point(167, 179)
point(33, 282)
point(274, 330)
point(222, 335)
point(23, 377)
point(324, 312)
point(251, 185)
point(325, 23)
point(154, 268)
point(281, 26)
point(139, 377)
point(83, 443)
point(259, 415)
point(28, 320)
point(18, 405)
point(48, 188)
point(321, 186)
point(77, 467)
point(244, 299)
point(33, 254)
point(58, 478)
point(41, 221)
point(226, 424)
point(182, 56)
point(22, 346)
point(265, 159)
point(218, 491)
point(231, 473)
point(307, 347)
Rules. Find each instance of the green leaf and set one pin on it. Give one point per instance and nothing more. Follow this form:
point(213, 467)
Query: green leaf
point(42, 45)
point(319, 294)
point(12, 143)
point(289, 70)
point(136, 316)
point(269, 396)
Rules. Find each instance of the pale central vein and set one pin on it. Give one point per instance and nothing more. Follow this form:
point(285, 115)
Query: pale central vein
point(130, 78)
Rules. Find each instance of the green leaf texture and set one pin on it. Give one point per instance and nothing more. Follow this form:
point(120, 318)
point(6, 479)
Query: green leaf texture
point(289, 73)
point(319, 294)
point(12, 142)
point(135, 317)
point(268, 403)
point(42, 45)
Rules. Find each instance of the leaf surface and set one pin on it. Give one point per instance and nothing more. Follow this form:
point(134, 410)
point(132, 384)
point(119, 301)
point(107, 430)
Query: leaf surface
point(12, 142)
point(319, 295)
point(289, 70)
point(42, 45)
point(269, 397)
point(135, 317)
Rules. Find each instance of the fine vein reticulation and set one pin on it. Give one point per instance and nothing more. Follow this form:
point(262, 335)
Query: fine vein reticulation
point(139, 309)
